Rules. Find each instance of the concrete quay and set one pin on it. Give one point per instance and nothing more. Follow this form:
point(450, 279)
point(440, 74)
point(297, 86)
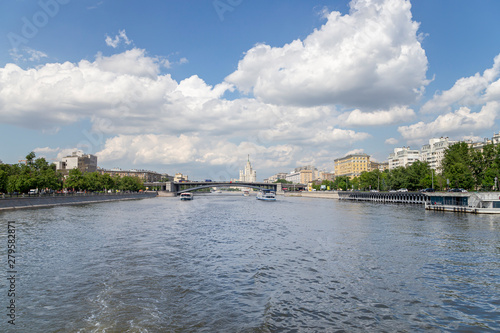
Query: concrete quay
point(386, 197)
point(314, 194)
point(59, 200)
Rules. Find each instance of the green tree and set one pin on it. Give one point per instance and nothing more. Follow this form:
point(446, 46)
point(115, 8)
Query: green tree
point(93, 181)
point(397, 178)
point(75, 180)
point(283, 181)
point(418, 176)
point(458, 164)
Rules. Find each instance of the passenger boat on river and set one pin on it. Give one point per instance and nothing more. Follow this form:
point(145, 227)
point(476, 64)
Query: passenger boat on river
point(266, 195)
point(186, 196)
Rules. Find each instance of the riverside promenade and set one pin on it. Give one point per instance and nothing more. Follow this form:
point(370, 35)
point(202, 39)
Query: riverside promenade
point(66, 199)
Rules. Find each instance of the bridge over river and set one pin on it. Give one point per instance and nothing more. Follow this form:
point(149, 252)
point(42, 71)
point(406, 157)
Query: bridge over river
point(180, 187)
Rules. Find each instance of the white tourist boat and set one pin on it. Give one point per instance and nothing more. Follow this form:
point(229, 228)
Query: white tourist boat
point(266, 195)
point(468, 202)
point(246, 193)
point(186, 196)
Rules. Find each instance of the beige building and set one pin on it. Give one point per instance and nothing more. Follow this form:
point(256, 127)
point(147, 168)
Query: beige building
point(248, 175)
point(145, 176)
point(330, 176)
point(77, 160)
point(352, 165)
point(180, 177)
point(306, 176)
point(381, 166)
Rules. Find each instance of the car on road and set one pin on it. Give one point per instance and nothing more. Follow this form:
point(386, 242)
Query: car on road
point(403, 190)
point(457, 190)
point(428, 190)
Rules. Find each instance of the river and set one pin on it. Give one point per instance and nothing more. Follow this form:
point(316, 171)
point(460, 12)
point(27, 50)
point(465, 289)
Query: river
point(235, 264)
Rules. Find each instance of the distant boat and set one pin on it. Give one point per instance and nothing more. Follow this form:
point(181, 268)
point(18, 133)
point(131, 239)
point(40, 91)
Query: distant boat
point(186, 196)
point(246, 193)
point(266, 195)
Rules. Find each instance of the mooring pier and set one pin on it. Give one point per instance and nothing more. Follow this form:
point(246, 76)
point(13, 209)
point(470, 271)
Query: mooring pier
point(385, 197)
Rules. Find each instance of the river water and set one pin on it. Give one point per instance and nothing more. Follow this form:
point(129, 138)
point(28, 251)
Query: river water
point(235, 264)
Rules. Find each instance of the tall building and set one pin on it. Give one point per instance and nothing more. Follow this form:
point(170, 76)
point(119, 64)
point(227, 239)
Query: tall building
point(403, 157)
point(433, 152)
point(352, 165)
point(248, 175)
point(77, 160)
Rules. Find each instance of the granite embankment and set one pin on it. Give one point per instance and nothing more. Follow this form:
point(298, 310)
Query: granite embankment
point(314, 194)
point(76, 199)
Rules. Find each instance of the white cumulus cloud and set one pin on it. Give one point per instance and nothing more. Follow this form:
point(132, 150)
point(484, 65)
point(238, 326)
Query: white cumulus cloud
point(369, 58)
point(462, 120)
point(468, 91)
point(383, 117)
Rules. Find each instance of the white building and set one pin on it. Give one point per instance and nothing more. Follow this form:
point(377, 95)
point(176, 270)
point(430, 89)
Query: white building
point(248, 175)
point(274, 178)
point(433, 152)
point(77, 160)
point(403, 156)
point(293, 177)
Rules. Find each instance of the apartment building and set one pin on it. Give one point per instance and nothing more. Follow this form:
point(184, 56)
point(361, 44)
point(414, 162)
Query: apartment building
point(352, 165)
point(77, 160)
point(403, 157)
point(433, 152)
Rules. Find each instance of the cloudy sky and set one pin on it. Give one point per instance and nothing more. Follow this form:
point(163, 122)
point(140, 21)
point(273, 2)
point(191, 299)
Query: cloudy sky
point(196, 86)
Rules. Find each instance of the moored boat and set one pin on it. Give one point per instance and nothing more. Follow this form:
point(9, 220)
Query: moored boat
point(186, 196)
point(468, 202)
point(266, 195)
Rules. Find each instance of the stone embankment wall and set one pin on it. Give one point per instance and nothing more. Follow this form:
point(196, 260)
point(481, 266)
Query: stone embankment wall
point(314, 194)
point(58, 200)
point(386, 197)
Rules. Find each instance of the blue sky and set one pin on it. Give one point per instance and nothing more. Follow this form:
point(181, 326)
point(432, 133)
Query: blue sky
point(195, 86)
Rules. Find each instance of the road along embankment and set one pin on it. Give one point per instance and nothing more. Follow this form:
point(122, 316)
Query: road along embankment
point(76, 199)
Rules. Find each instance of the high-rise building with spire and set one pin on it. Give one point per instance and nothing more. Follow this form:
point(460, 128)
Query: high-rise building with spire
point(248, 175)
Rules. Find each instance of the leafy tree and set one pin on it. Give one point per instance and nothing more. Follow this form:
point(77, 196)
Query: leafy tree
point(93, 181)
point(458, 165)
point(418, 176)
point(283, 181)
point(75, 180)
point(397, 178)
point(107, 182)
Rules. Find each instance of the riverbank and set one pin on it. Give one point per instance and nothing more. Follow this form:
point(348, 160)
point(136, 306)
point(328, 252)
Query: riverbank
point(78, 199)
point(314, 194)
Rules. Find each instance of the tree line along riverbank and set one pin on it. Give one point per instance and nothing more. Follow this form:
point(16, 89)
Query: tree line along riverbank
point(41, 201)
point(37, 173)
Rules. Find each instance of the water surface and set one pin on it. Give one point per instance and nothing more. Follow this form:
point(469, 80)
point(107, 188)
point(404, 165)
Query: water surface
point(236, 264)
